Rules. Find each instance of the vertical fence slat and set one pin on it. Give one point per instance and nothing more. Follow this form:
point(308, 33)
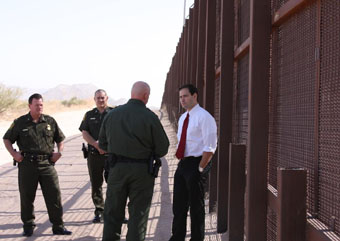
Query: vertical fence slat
point(226, 103)
point(260, 29)
point(291, 204)
point(237, 183)
point(209, 86)
point(200, 47)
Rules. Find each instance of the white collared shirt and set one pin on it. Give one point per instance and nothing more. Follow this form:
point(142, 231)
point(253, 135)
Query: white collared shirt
point(201, 132)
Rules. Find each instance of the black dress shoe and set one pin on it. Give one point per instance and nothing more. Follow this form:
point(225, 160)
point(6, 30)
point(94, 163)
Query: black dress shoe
point(28, 232)
point(97, 219)
point(61, 231)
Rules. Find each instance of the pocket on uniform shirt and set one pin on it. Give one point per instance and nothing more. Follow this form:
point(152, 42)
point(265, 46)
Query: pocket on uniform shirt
point(49, 134)
point(49, 138)
point(24, 134)
point(93, 122)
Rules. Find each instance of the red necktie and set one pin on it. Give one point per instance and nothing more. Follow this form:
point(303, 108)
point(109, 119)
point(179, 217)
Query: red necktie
point(181, 145)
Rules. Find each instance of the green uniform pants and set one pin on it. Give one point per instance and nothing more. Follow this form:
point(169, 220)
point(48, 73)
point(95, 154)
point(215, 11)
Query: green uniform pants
point(30, 174)
point(95, 164)
point(128, 180)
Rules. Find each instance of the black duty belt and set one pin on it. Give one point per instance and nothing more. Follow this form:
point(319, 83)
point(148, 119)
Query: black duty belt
point(130, 160)
point(93, 150)
point(36, 157)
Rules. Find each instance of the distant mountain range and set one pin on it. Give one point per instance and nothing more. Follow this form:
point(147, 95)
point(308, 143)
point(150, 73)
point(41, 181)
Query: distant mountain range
point(66, 92)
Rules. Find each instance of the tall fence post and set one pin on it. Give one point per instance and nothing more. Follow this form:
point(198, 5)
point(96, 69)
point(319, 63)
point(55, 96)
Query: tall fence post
point(209, 88)
point(226, 110)
point(257, 143)
point(291, 216)
point(237, 181)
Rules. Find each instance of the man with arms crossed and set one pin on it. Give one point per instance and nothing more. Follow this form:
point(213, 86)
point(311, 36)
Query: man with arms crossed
point(197, 137)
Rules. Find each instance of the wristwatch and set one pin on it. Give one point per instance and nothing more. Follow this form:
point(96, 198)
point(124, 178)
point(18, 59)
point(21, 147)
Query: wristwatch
point(200, 169)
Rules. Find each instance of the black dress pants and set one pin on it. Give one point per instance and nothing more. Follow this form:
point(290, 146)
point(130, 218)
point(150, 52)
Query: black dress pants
point(188, 193)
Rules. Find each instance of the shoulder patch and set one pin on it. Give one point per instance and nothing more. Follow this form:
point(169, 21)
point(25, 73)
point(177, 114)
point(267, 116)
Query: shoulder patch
point(12, 125)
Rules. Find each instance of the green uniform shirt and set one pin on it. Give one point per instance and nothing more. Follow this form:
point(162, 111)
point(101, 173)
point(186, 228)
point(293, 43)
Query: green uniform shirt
point(92, 121)
point(34, 137)
point(134, 131)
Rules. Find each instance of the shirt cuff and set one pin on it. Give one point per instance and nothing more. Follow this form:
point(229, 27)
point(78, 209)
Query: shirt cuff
point(209, 149)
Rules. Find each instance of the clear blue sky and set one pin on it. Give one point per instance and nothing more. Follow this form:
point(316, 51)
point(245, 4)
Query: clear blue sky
point(111, 44)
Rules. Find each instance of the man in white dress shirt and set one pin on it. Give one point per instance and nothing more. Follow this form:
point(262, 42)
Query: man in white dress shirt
point(197, 138)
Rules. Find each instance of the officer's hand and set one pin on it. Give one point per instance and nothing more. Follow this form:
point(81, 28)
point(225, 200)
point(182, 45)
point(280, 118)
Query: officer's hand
point(18, 157)
point(55, 156)
point(101, 151)
point(96, 145)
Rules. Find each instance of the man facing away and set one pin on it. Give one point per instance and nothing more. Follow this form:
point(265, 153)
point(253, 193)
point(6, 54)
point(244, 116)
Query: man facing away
point(90, 127)
point(35, 135)
point(197, 142)
point(131, 134)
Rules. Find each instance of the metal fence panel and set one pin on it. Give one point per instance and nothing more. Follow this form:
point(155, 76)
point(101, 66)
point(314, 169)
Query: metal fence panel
point(276, 4)
point(243, 23)
point(271, 225)
point(240, 125)
point(329, 111)
point(292, 99)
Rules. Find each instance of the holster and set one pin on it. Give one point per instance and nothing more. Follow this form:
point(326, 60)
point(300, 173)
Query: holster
point(92, 150)
point(85, 151)
point(153, 166)
point(110, 162)
point(14, 161)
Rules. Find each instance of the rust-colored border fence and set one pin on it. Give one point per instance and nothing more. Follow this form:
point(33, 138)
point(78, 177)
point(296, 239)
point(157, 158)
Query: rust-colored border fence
point(269, 72)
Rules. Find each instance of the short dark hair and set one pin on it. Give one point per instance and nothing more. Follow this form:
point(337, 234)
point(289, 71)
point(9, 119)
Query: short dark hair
point(100, 90)
point(34, 96)
point(192, 89)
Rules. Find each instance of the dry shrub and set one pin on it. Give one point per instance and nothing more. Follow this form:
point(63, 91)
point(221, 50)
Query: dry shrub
point(50, 107)
point(8, 97)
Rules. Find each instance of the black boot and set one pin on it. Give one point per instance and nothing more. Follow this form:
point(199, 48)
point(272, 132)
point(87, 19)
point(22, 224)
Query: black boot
point(61, 231)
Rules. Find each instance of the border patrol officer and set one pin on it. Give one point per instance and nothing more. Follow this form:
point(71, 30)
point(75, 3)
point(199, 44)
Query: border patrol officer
point(90, 127)
point(131, 133)
point(35, 134)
